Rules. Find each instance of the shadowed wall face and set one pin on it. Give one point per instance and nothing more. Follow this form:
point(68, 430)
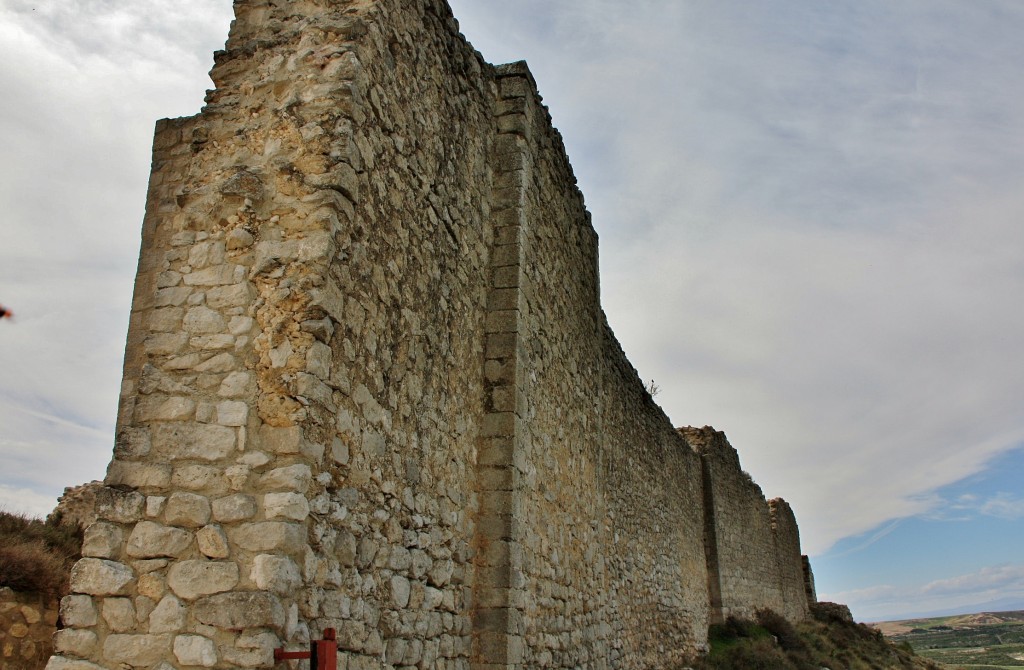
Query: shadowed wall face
point(369, 386)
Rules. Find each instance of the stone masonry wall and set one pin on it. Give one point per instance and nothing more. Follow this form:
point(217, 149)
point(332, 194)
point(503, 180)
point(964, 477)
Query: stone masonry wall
point(27, 623)
point(603, 491)
point(752, 545)
point(368, 384)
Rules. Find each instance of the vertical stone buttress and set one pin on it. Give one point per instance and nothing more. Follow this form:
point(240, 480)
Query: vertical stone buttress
point(498, 596)
point(715, 613)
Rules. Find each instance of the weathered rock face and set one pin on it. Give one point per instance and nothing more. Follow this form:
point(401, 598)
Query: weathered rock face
point(369, 386)
point(26, 630)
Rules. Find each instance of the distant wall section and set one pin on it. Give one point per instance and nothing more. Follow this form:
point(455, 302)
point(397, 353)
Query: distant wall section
point(752, 545)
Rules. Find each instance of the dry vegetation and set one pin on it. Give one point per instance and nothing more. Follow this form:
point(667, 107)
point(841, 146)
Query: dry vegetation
point(825, 641)
point(36, 556)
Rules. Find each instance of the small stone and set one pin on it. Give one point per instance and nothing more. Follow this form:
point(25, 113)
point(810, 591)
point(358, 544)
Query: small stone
point(152, 540)
point(339, 452)
point(232, 413)
point(152, 585)
point(276, 573)
point(400, 589)
point(281, 440)
point(241, 325)
point(155, 506)
point(164, 344)
point(268, 536)
point(187, 509)
point(119, 613)
point(99, 577)
point(212, 542)
point(285, 505)
point(235, 384)
point(78, 612)
point(102, 540)
point(118, 505)
point(195, 650)
point(236, 507)
point(243, 184)
point(291, 478)
point(200, 320)
point(219, 363)
point(199, 477)
point(168, 616)
point(321, 329)
point(318, 360)
point(192, 579)
point(234, 295)
point(31, 614)
point(239, 238)
point(62, 663)
point(161, 408)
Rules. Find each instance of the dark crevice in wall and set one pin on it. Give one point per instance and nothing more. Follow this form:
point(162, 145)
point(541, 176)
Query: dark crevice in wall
point(711, 545)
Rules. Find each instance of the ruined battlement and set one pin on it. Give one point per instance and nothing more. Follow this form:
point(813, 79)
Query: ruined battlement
point(368, 385)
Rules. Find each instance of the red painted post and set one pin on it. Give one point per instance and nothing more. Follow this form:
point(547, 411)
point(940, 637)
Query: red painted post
point(322, 654)
point(326, 652)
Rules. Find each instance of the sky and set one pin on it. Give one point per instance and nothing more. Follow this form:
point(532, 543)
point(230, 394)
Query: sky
point(811, 238)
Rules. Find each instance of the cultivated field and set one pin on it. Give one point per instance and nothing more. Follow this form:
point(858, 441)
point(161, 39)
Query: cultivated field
point(986, 641)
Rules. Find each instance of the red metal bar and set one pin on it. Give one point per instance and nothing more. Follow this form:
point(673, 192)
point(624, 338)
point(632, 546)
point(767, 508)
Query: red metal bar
point(322, 654)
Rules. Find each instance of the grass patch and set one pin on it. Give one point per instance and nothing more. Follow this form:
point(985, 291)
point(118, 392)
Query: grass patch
point(37, 555)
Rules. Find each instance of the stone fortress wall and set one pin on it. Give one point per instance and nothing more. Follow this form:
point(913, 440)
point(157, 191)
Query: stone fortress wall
point(368, 385)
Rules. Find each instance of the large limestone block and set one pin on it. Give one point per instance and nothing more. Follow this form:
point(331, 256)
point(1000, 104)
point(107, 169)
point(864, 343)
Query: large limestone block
point(195, 650)
point(192, 579)
point(78, 611)
point(74, 642)
point(136, 650)
point(276, 573)
point(119, 613)
point(193, 441)
point(153, 540)
point(62, 663)
point(187, 509)
point(240, 609)
point(290, 478)
point(236, 507)
point(168, 616)
point(102, 540)
point(100, 577)
point(268, 536)
point(286, 506)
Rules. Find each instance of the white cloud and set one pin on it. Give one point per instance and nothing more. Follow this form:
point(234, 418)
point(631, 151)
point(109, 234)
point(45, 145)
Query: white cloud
point(880, 602)
point(83, 85)
point(809, 219)
point(25, 501)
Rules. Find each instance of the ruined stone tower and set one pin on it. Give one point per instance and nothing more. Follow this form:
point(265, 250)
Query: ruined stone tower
point(368, 385)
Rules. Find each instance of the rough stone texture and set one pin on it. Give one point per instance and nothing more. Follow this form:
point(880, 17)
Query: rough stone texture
point(753, 545)
point(367, 373)
point(77, 505)
point(27, 623)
